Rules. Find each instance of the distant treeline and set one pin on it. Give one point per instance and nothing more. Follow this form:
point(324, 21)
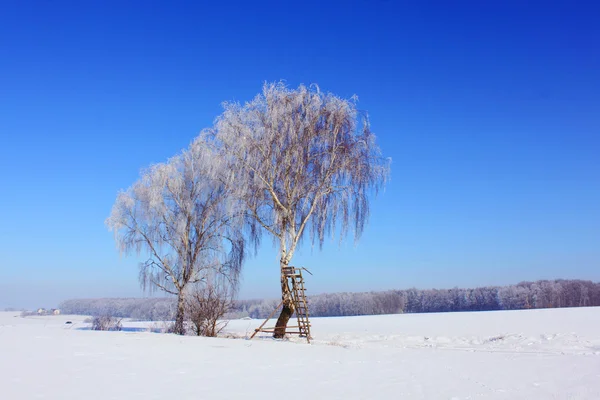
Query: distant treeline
point(539, 294)
point(147, 309)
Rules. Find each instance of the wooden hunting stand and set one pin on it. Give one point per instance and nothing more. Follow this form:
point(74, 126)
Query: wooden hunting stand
point(294, 275)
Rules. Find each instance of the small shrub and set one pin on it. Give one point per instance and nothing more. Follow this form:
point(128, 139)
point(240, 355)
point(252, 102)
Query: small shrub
point(169, 327)
point(206, 307)
point(106, 323)
point(28, 313)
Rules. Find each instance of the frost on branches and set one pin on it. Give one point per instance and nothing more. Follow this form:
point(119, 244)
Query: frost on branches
point(181, 214)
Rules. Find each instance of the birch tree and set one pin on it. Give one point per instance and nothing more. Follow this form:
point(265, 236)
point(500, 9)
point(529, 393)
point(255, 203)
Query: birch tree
point(302, 161)
point(180, 215)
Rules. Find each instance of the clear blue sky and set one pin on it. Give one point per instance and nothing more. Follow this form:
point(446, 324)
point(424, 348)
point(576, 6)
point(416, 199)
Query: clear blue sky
point(489, 110)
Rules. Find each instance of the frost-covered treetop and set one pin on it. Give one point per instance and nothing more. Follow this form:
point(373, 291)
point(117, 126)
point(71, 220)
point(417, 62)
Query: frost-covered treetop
point(182, 215)
point(301, 157)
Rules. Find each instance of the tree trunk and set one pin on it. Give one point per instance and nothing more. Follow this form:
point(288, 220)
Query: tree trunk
point(179, 317)
point(288, 305)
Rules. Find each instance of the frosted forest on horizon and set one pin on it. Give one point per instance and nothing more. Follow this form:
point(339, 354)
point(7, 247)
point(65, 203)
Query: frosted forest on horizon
point(525, 295)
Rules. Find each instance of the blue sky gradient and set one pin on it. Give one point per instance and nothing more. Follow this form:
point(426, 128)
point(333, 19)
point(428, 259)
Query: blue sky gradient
point(490, 112)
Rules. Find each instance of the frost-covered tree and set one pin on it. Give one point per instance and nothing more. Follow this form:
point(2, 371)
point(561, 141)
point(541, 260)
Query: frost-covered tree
point(303, 160)
point(181, 216)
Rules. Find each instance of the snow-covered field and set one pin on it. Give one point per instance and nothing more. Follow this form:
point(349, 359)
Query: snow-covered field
point(536, 354)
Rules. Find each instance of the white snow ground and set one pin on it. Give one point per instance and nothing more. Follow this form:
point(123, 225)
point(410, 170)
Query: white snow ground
point(535, 354)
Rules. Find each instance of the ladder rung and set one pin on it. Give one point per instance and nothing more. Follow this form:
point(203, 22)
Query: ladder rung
point(274, 328)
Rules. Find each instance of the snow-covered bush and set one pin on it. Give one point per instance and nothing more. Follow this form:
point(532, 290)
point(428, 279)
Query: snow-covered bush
point(106, 323)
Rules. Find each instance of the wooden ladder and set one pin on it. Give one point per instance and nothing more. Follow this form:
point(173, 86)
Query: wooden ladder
point(299, 298)
point(298, 292)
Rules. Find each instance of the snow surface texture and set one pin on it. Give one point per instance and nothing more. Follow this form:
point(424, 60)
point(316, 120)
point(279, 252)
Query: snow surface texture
point(534, 354)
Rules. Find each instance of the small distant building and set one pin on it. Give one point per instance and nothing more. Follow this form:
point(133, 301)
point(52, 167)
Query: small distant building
point(56, 311)
point(41, 311)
